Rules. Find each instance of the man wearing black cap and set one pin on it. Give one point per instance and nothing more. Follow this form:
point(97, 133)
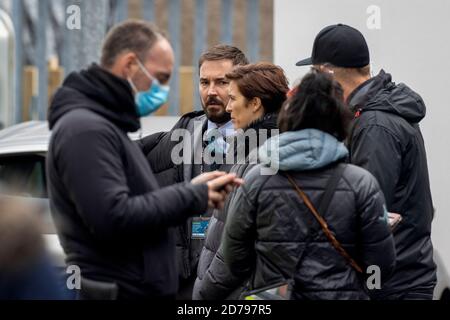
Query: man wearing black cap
point(386, 140)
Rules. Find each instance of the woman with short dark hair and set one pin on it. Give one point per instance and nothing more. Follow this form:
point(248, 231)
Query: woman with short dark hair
point(257, 93)
point(273, 233)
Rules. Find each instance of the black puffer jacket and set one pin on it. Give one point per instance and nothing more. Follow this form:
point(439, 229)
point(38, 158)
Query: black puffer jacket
point(387, 141)
point(206, 284)
point(267, 235)
point(112, 218)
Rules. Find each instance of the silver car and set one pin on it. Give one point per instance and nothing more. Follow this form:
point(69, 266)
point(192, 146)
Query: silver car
point(23, 149)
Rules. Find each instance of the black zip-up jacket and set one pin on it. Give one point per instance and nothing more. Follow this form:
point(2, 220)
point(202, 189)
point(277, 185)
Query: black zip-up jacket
point(386, 140)
point(157, 149)
point(112, 218)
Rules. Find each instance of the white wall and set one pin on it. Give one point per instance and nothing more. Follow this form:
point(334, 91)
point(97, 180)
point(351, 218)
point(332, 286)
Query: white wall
point(413, 43)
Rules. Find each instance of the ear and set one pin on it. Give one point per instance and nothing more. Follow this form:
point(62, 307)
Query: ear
point(128, 64)
point(256, 104)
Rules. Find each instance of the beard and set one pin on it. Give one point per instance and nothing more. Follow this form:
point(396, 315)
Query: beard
point(215, 111)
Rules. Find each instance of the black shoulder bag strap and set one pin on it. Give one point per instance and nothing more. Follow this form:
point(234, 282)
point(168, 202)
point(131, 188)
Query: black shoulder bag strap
point(325, 202)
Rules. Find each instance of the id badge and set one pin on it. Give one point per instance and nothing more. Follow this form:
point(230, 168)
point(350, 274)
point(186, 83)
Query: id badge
point(199, 227)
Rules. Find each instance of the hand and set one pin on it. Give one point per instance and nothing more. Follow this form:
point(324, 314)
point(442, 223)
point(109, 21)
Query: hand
point(205, 177)
point(220, 188)
point(394, 219)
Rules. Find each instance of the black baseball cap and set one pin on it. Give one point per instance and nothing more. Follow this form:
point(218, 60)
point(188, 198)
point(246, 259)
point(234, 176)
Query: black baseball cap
point(340, 45)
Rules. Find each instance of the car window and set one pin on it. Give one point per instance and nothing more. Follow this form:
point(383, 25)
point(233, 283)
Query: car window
point(23, 176)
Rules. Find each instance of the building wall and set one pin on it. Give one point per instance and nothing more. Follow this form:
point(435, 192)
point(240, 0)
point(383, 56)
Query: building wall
point(214, 29)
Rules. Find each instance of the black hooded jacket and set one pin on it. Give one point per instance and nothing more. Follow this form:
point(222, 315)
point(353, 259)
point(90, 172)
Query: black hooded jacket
point(113, 220)
point(386, 140)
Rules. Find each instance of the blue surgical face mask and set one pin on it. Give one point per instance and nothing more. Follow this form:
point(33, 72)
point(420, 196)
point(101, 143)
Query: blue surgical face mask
point(151, 100)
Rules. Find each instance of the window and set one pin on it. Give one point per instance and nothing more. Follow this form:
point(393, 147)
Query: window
point(23, 176)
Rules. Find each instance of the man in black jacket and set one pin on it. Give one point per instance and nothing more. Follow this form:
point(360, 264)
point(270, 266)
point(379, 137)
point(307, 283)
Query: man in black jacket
point(214, 64)
point(113, 219)
point(386, 140)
